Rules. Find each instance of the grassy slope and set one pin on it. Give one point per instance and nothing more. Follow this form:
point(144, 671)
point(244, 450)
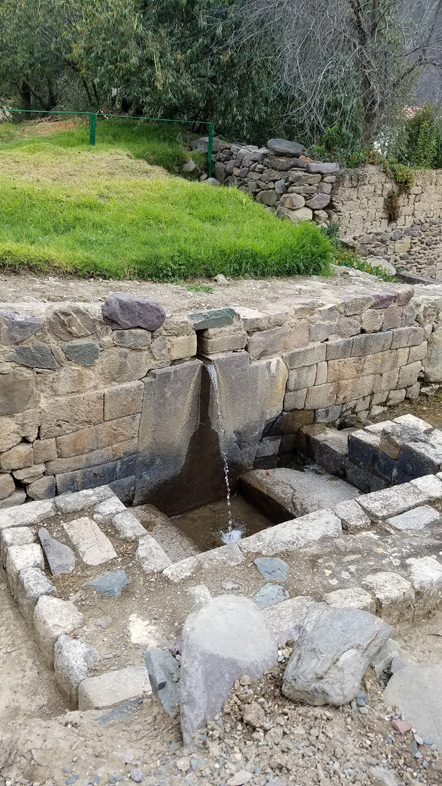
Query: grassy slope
point(104, 211)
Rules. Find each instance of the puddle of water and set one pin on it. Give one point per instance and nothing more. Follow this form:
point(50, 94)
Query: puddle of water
point(205, 525)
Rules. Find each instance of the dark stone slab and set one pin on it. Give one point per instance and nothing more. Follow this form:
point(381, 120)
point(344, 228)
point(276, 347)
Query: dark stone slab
point(61, 558)
point(84, 353)
point(110, 584)
point(122, 312)
point(272, 568)
point(218, 317)
point(37, 356)
point(270, 594)
point(66, 483)
point(385, 466)
point(124, 489)
point(284, 147)
point(100, 475)
point(15, 326)
point(164, 675)
point(418, 459)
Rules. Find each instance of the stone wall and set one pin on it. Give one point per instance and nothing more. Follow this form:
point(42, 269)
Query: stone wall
point(413, 242)
point(280, 177)
point(121, 394)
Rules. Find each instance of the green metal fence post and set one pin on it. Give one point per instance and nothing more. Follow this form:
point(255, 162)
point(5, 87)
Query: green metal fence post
point(210, 149)
point(92, 126)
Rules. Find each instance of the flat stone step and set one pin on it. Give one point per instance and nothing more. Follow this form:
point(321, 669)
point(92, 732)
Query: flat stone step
point(285, 494)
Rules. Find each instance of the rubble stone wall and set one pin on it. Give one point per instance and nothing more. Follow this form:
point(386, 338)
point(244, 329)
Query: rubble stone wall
point(84, 402)
point(412, 243)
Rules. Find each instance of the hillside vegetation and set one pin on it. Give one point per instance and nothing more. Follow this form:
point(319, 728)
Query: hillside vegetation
point(114, 210)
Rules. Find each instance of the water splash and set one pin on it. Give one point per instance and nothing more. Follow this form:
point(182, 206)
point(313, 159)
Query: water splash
point(234, 532)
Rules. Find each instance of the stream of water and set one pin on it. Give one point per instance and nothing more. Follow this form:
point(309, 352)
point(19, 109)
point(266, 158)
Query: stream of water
point(234, 532)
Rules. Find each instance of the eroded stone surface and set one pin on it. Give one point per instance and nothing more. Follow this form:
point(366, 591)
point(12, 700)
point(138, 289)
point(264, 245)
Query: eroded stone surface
point(73, 659)
point(113, 687)
point(52, 617)
point(92, 545)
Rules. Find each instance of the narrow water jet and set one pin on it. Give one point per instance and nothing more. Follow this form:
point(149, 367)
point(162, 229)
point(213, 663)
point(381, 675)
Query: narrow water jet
point(234, 532)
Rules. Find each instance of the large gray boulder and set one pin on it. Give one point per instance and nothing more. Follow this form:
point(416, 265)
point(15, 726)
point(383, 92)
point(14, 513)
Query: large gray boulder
point(283, 147)
point(122, 312)
point(221, 642)
point(417, 691)
point(332, 655)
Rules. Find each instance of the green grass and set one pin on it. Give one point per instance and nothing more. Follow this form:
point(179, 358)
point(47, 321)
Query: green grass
point(104, 211)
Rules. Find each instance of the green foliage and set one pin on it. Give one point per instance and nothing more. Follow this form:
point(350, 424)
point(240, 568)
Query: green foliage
point(402, 175)
point(96, 211)
point(200, 288)
point(419, 142)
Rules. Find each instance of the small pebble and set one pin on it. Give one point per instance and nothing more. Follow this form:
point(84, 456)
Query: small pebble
point(136, 775)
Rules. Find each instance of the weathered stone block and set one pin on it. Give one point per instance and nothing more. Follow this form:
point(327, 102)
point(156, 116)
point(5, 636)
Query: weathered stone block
point(150, 555)
point(18, 457)
point(127, 526)
point(182, 347)
point(267, 342)
point(352, 516)
point(17, 391)
point(44, 450)
point(31, 584)
point(416, 519)
point(394, 595)
point(123, 400)
point(407, 337)
point(76, 443)
point(73, 660)
point(122, 312)
point(73, 503)
point(16, 536)
point(72, 414)
point(136, 339)
point(371, 321)
point(113, 431)
point(72, 320)
point(426, 577)
point(417, 459)
point(9, 434)
point(321, 396)
point(351, 389)
point(113, 687)
point(370, 343)
point(7, 485)
point(15, 326)
point(119, 364)
point(351, 598)
point(339, 349)
point(392, 317)
point(390, 502)
point(301, 378)
point(213, 318)
point(408, 374)
point(179, 571)
point(83, 352)
point(43, 488)
point(225, 342)
point(306, 356)
point(19, 557)
point(89, 541)
point(39, 355)
point(293, 535)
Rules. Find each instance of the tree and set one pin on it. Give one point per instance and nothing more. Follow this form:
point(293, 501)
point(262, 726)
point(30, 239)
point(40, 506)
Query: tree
point(345, 62)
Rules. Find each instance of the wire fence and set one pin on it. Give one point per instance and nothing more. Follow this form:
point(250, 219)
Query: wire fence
point(93, 116)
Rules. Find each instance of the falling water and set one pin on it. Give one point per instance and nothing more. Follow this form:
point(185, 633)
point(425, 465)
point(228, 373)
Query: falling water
point(233, 531)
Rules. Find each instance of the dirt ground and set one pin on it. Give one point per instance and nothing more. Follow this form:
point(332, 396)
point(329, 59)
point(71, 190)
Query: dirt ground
point(180, 298)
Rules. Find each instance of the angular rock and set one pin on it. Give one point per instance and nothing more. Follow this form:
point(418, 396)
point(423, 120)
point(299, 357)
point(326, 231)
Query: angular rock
point(19, 457)
point(394, 595)
point(16, 498)
point(283, 147)
point(43, 488)
point(164, 675)
point(122, 312)
point(224, 640)
point(318, 201)
point(113, 687)
point(426, 578)
point(37, 356)
point(7, 485)
point(269, 595)
point(384, 658)
point(351, 598)
point(9, 434)
point(317, 167)
point(52, 617)
point(110, 584)
point(16, 327)
point(72, 320)
point(32, 583)
point(89, 541)
point(417, 691)
point(272, 568)
point(332, 655)
point(127, 526)
point(382, 776)
point(352, 516)
point(213, 318)
point(61, 558)
point(181, 570)
point(73, 659)
point(83, 352)
point(284, 620)
point(32, 513)
point(152, 557)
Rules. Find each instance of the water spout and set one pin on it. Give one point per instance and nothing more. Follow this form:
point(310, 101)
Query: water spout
point(234, 531)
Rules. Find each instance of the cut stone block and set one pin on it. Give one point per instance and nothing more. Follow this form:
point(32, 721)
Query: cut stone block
point(229, 555)
point(328, 447)
point(104, 511)
point(351, 598)
point(390, 502)
point(89, 541)
point(394, 595)
point(430, 485)
point(73, 503)
point(284, 619)
point(418, 459)
point(362, 448)
point(61, 558)
point(52, 617)
point(113, 687)
point(150, 555)
point(19, 557)
point(32, 583)
point(284, 493)
point(181, 570)
point(426, 578)
point(32, 513)
point(352, 516)
point(43, 488)
point(418, 518)
point(414, 422)
point(127, 526)
point(17, 536)
point(73, 659)
point(396, 436)
point(293, 535)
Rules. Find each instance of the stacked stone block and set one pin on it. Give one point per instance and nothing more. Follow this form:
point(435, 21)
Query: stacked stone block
point(281, 177)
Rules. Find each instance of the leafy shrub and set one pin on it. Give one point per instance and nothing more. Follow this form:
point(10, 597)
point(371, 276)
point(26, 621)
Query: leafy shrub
point(419, 143)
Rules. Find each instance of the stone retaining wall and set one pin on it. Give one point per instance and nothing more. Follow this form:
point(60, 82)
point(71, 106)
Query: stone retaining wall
point(413, 242)
point(86, 399)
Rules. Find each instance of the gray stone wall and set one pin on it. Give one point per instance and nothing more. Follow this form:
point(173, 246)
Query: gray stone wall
point(292, 185)
point(412, 243)
point(86, 399)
